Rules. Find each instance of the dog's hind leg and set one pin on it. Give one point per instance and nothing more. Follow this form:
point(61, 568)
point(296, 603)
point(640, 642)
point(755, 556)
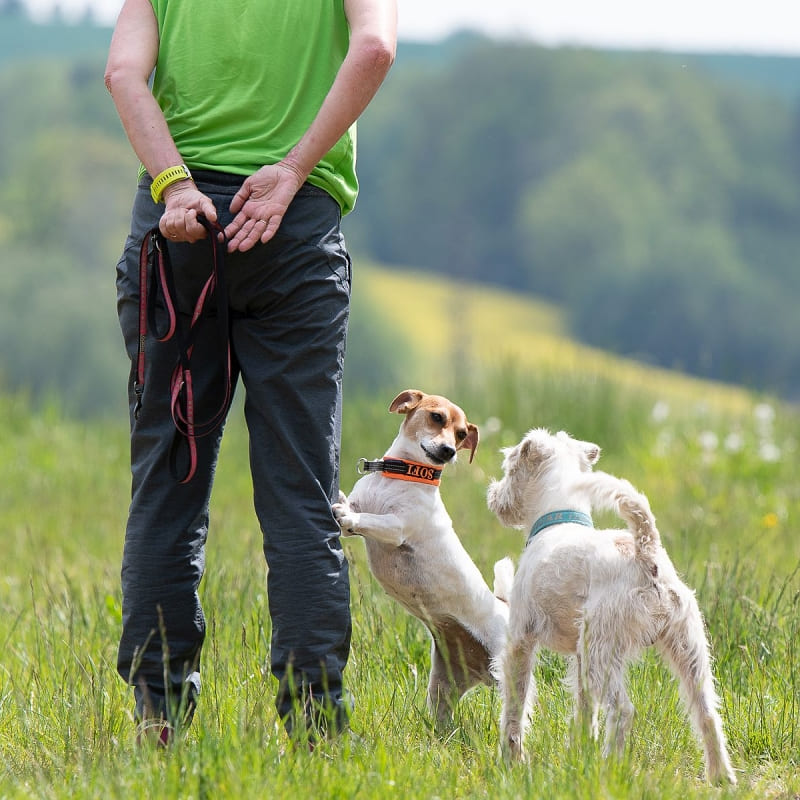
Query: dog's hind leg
point(685, 648)
point(443, 694)
point(619, 718)
point(518, 689)
point(600, 676)
point(584, 718)
point(458, 662)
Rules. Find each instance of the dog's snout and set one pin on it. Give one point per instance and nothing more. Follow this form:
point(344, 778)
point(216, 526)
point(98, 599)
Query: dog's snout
point(438, 452)
point(446, 452)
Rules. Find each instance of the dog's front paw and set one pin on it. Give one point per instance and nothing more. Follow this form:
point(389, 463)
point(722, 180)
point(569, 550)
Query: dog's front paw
point(345, 516)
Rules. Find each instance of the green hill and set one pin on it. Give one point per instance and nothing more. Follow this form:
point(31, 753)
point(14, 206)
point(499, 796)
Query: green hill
point(483, 328)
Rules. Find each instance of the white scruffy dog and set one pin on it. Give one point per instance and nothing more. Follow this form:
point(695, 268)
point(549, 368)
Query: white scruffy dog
point(415, 553)
point(599, 596)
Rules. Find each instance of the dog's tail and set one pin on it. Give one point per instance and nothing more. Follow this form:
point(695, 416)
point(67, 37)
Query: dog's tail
point(503, 579)
point(610, 493)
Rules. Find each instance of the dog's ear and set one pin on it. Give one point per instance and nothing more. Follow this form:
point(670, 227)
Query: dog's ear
point(504, 499)
point(406, 401)
point(520, 453)
point(591, 451)
point(470, 440)
point(536, 446)
point(588, 451)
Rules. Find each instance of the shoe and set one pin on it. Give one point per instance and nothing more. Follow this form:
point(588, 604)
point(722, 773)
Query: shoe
point(156, 732)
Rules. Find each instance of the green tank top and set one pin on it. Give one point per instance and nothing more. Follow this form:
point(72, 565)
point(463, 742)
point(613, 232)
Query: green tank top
point(239, 82)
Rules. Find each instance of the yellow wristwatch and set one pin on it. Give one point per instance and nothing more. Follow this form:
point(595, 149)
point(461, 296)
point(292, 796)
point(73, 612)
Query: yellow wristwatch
point(166, 178)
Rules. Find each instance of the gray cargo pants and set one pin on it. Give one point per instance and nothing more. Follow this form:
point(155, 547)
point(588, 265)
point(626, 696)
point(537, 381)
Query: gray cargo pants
point(289, 304)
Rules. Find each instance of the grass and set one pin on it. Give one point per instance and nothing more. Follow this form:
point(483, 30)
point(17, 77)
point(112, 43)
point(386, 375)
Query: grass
point(718, 465)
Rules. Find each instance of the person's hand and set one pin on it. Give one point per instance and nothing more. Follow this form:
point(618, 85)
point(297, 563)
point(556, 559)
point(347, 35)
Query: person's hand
point(260, 204)
point(184, 201)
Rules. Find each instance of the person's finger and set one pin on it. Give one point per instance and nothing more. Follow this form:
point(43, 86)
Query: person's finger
point(246, 238)
point(234, 226)
point(249, 241)
point(209, 210)
point(168, 228)
point(235, 239)
point(273, 224)
point(244, 231)
point(194, 229)
point(240, 198)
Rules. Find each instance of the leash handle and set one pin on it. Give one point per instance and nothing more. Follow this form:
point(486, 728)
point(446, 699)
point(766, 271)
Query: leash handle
point(156, 279)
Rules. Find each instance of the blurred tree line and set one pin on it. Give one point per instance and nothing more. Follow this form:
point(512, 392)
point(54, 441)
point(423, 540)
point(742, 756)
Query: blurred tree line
point(656, 203)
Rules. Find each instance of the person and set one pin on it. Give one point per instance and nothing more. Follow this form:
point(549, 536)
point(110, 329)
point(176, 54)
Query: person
point(243, 112)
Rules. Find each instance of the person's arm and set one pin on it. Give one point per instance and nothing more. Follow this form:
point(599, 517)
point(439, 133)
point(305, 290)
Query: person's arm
point(260, 204)
point(131, 59)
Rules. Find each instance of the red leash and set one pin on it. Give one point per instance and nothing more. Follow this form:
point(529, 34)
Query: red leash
point(156, 278)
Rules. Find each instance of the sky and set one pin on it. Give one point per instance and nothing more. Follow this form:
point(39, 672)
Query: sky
point(763, 27)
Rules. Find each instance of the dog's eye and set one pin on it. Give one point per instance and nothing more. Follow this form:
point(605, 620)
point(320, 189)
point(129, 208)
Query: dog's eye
point(437, 418)
point(461, 435)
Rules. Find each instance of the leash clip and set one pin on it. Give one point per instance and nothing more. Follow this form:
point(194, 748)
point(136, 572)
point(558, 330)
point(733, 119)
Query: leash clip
point(138, 389)
point(360, 466)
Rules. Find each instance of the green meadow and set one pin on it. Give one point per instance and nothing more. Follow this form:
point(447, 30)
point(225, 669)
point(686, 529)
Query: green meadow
point(719, 467)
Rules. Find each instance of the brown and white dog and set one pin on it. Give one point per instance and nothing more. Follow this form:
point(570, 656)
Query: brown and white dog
point(416, 555)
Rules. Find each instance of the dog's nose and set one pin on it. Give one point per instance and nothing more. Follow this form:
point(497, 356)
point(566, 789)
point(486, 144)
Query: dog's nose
point(446, 452)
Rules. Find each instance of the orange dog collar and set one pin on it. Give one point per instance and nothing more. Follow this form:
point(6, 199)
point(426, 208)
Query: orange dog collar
point(402, 470)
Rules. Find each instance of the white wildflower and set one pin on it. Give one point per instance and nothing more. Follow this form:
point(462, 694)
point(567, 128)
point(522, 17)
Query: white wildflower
point(769, 452)
point(764, 415)
point(492, 425)
point(734, 442)
point(708, 440)
point(660, 411)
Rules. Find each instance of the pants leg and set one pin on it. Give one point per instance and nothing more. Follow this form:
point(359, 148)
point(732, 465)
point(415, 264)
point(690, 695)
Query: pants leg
point(289, 336)
point(163, 626)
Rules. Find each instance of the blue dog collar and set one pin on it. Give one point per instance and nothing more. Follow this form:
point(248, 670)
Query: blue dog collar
point(559, 518)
